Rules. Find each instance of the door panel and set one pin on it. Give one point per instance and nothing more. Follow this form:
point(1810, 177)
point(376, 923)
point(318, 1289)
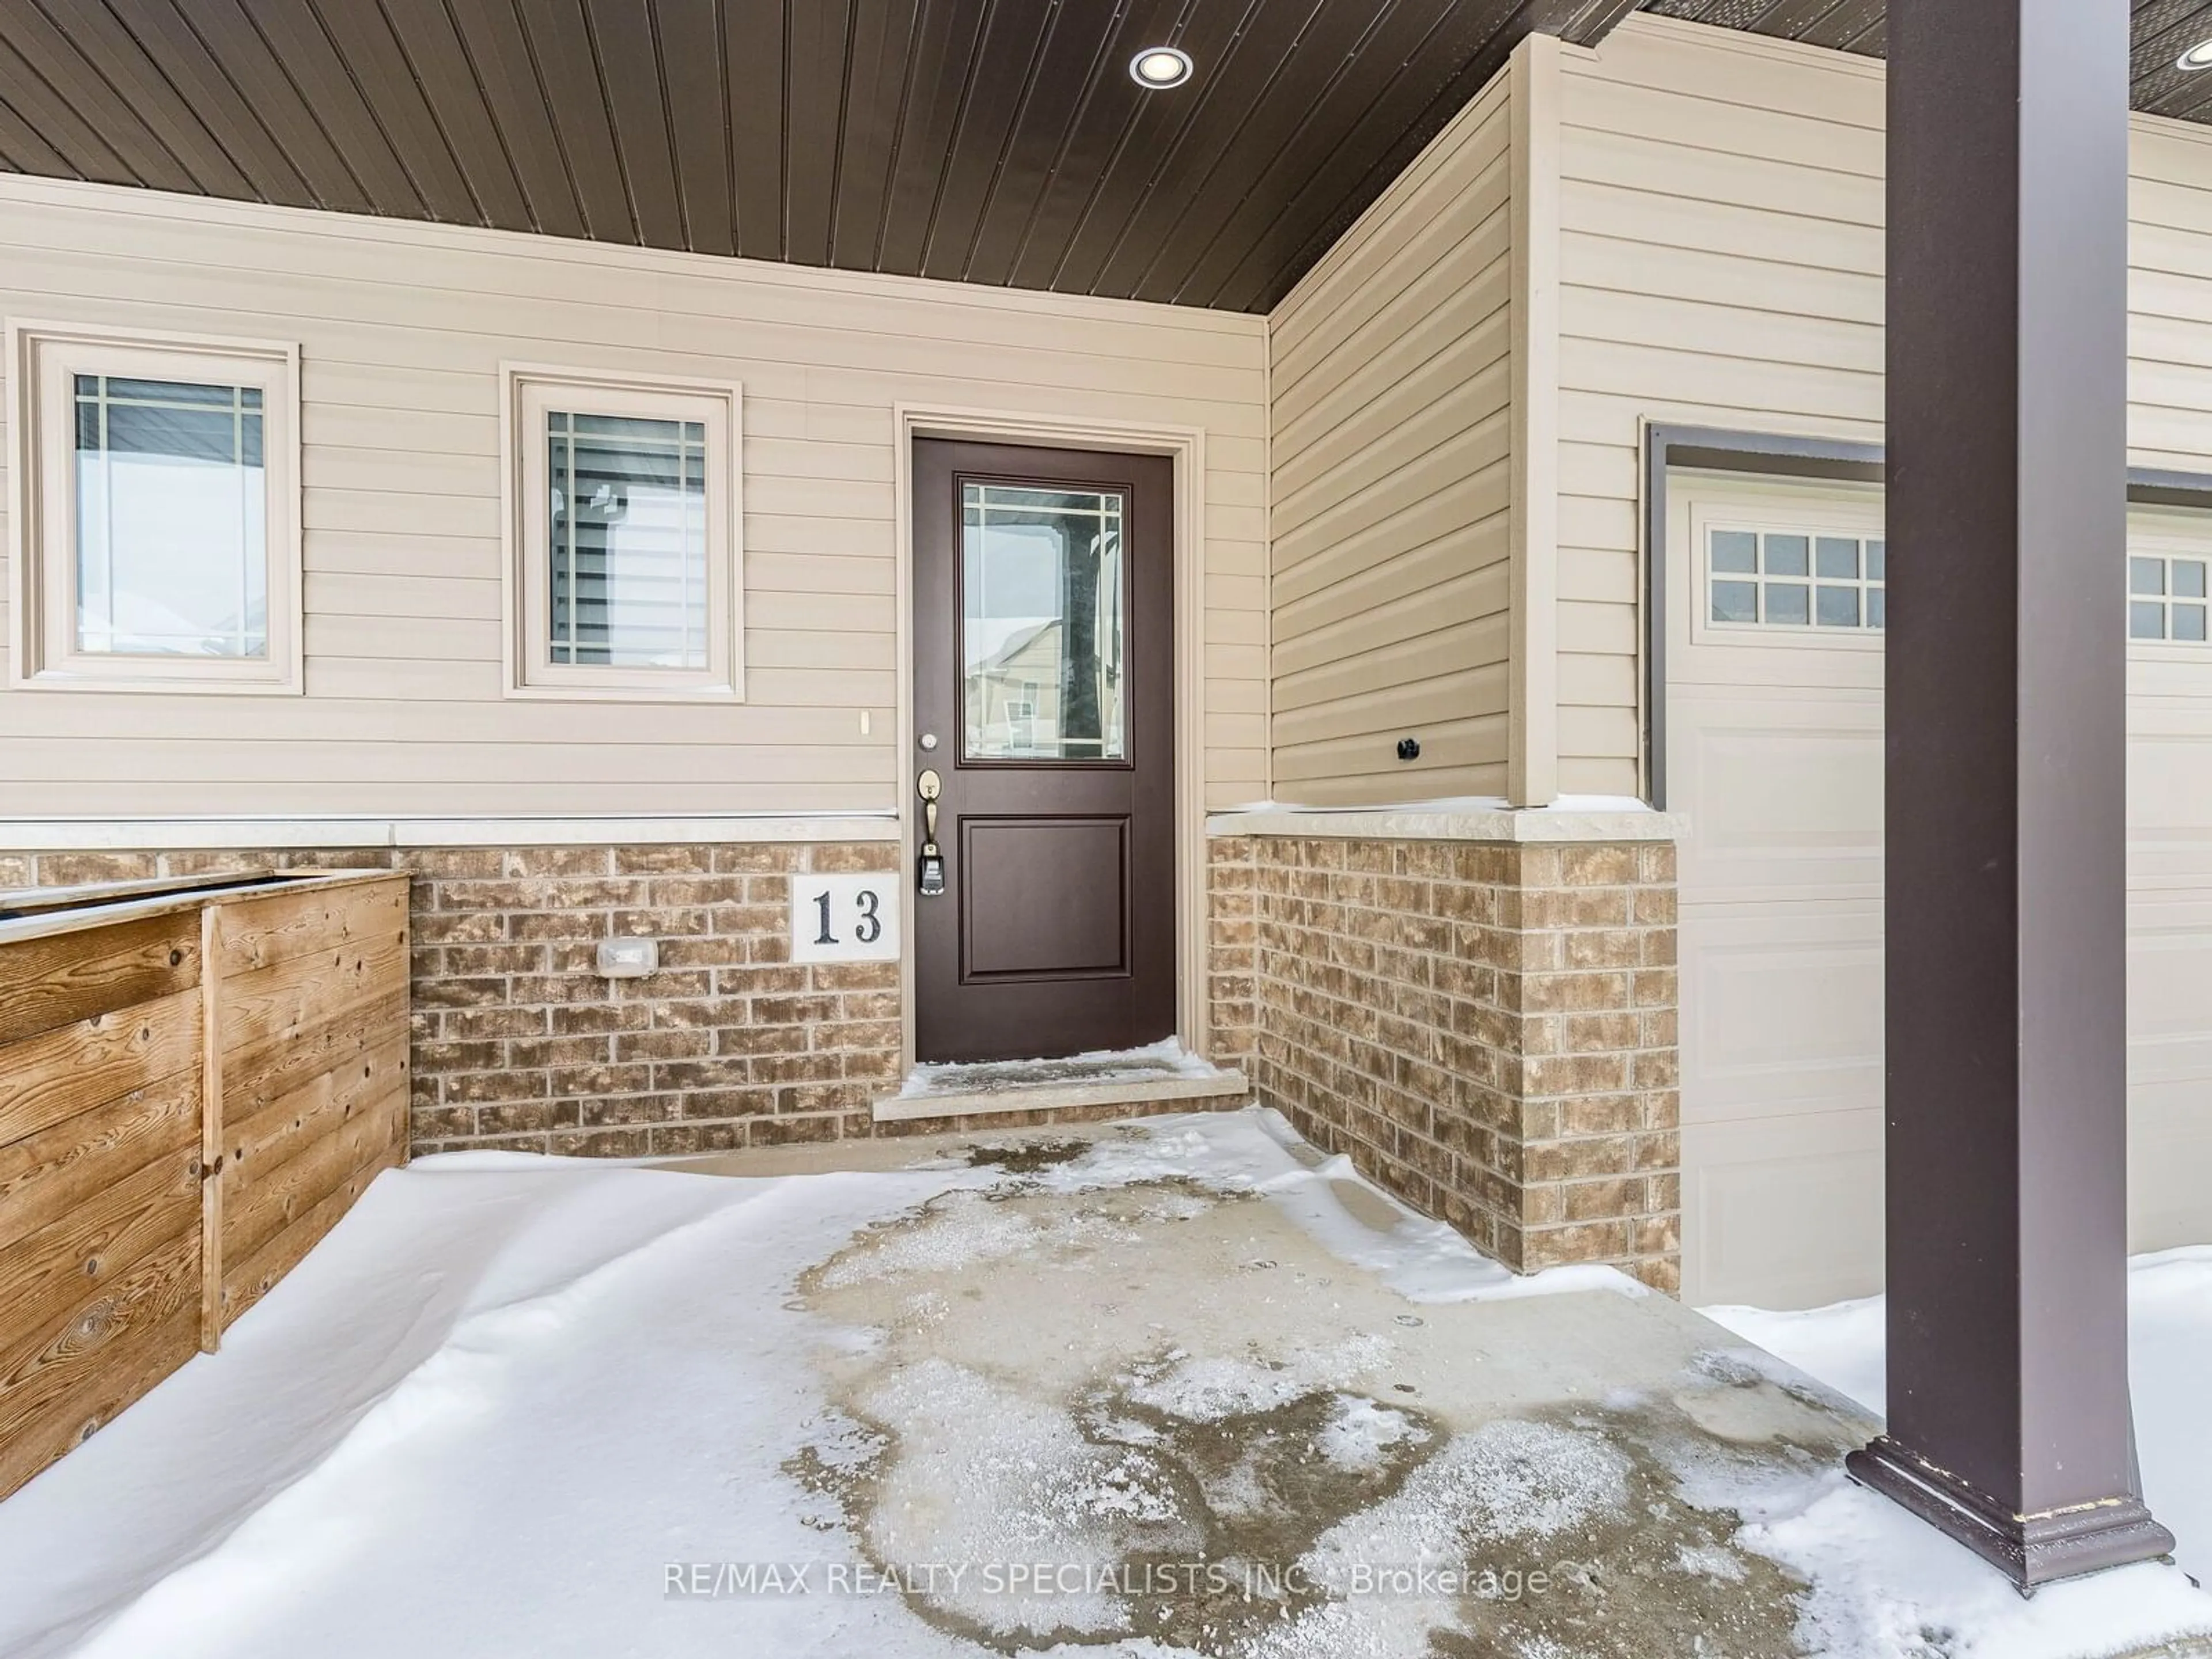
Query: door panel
point(1775, 751)
point(1025, 916)
point(1044, 631)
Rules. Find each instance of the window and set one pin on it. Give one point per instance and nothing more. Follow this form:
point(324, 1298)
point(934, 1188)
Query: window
point(1041, 624)
point(1796, 578)
point(156, 539)
point(622, 569)
point(2167, 599)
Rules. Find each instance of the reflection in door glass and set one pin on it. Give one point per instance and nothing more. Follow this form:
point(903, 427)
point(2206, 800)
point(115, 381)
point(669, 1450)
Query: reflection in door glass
point(1042, 644)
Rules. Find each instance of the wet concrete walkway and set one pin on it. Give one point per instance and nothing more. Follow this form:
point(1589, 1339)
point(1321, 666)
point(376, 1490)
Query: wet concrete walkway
point(1090, 1406)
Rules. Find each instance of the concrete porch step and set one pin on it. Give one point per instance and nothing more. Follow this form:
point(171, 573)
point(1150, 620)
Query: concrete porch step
point(1137, 1077)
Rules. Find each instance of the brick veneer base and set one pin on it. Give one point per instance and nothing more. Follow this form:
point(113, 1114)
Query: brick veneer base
point(1487, 1030)
point(519, 1045)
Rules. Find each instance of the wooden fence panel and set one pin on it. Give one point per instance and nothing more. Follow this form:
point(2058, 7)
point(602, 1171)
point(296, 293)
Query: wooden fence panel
point(125, 1185)
point(64, 977)
point(101, 1123)
point(309, 1012)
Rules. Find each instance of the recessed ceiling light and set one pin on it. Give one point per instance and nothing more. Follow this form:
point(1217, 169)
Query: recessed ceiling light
point(2198, 56)
point(1169, 66)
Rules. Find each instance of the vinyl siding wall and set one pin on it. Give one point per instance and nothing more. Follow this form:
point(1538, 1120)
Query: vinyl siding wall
point(1722, 257)
point(403, 328)
point(1391, 416)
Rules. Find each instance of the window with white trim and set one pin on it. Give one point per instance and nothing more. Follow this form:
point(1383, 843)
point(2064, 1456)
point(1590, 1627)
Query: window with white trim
point(1808, 580)
point(624, 576)
point(156, 541)
point(2167, 599)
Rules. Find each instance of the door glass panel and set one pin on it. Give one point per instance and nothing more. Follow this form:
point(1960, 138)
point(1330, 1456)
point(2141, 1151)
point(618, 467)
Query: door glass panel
point(1044, 648)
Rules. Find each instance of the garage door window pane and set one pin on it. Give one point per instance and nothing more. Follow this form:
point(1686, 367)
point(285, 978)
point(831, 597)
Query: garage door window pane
point(1758, 577)
point(1735, 552)
point(1786, 556)
point(2166, 598)
point(1736, 601)
point(1837, 560)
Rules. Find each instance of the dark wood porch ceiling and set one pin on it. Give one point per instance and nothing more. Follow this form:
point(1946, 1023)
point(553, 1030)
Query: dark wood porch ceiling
point(988, 141)
point(2164, 29)
point(998, 141)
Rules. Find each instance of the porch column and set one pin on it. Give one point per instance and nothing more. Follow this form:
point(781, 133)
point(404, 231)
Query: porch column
point(2009, 1410)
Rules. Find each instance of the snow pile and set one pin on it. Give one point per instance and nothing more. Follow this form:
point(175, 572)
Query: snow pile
point(1257, 1152)
point(483, 1417)
point(1885, 1585)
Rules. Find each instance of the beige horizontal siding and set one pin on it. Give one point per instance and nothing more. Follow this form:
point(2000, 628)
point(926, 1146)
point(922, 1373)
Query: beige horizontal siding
point(1391, 394)
point(1722, 258)
point(402, 329)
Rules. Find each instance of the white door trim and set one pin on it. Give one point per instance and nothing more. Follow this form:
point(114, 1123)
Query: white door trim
point(1186, 446)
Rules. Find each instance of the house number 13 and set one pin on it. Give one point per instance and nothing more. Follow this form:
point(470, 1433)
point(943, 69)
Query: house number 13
point(868, 930)
point(844, 918)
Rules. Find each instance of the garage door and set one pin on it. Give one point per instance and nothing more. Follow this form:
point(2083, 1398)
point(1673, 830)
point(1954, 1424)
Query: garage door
point(1774, 673)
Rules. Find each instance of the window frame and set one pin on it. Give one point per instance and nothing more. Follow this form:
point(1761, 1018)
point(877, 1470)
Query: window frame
point(1811, 518)
point(530, 392)
point(2147, 542)
point(42, 361)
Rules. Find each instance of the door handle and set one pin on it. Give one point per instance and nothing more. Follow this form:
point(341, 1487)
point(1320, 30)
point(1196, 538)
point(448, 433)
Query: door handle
point(930, 876)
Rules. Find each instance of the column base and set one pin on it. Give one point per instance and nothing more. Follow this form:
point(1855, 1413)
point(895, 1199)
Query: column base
point(2031, 1550)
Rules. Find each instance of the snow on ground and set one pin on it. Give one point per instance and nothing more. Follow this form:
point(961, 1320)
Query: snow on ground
point(510, 1394)
point(485, 1337)
point(1422, 1260)
point(2170, 1350)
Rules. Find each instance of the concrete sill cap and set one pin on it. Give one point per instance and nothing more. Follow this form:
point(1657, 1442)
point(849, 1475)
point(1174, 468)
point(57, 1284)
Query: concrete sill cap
point(1596, 818)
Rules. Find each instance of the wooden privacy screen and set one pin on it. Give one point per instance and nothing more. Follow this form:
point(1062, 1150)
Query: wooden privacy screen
point(194, 1087)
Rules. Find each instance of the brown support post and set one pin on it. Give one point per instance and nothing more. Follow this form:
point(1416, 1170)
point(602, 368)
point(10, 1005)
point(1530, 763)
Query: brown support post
point(2010, 1425)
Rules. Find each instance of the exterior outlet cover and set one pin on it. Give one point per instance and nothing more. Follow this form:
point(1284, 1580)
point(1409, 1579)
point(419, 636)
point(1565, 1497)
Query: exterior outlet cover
point(1409, 748)
point(629, 958)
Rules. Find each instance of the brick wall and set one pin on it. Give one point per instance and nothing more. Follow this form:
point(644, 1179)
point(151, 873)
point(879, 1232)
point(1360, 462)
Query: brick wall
point(1487, 1030)
point(519, 1045)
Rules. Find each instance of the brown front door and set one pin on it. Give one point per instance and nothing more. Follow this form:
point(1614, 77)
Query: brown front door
point(1045, 705)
